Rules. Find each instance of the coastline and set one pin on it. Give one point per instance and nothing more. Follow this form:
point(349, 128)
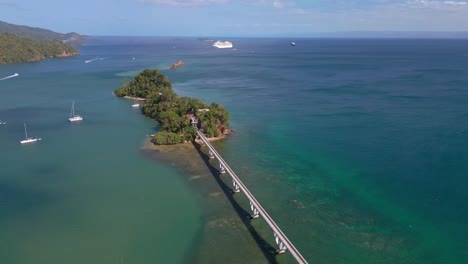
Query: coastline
point(220, 137)
point(132, 98)
point(198, 141)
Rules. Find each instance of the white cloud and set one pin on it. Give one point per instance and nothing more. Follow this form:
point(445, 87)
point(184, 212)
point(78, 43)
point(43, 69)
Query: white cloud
point(424, 2)
point(411, 15)
point(436, 4)
point(272, 3)
point(182, 2)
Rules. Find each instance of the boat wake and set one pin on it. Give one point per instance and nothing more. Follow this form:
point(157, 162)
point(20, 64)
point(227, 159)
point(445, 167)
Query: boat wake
point(8, 77)
point(88, 61)
point(97, 58)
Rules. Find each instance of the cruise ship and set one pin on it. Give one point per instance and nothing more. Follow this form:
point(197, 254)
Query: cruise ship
point(222, 45)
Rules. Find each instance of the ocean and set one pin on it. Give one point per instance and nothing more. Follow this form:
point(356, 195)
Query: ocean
point(358, 148)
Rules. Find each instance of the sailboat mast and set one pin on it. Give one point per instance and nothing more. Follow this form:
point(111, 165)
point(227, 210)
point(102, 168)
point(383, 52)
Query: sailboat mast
point(25, 131)
point(72, 114)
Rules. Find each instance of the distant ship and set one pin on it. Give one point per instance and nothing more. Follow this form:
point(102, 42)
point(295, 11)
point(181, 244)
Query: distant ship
point(293, 43)
point(222, 45)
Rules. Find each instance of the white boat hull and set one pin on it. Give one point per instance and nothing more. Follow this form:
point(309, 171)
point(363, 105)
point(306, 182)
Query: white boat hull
point(135, 105)
point(222, 45)
point(30, 140)
point(75, 118)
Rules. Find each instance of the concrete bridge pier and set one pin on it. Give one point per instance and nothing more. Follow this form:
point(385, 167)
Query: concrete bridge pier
point(254, 210)
point(236, 186)
point(281, 247)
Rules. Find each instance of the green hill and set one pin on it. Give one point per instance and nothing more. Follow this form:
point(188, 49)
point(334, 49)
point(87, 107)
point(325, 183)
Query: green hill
point(19, 49)
point(42, 34)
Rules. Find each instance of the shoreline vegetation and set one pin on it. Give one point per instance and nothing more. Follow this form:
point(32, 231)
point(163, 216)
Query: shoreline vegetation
point(15, 49)
point(176, 115)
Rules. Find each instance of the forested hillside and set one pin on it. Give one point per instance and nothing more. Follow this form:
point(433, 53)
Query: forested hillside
point(19, 49)
point(42, 34)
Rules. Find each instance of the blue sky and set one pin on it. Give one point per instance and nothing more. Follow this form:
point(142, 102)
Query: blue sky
point(298, 18)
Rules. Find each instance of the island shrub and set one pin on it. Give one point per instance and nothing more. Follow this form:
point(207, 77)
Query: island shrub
point(211, 130)
point(172, 112)
point(149, 81)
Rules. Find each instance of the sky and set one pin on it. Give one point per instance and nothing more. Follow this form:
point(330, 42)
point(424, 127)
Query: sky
point(249, 18)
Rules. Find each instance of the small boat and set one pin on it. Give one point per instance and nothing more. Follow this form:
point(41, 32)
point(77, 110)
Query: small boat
point(74, 117)
point(28, 139)
point(2, 123)
point(222, 45)
point(135, 103)
point(293, 44)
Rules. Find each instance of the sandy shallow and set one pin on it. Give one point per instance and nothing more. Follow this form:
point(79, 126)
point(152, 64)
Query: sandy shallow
point(227, 228)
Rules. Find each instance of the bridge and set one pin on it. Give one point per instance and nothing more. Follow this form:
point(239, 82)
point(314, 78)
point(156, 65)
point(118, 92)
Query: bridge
point(257, 210)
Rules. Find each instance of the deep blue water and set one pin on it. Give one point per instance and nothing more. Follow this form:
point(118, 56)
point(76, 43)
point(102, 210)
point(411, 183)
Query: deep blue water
point(357, 148)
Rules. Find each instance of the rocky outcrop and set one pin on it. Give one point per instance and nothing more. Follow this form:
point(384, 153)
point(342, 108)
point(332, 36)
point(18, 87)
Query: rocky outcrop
point(177, 65)
point(67, 54)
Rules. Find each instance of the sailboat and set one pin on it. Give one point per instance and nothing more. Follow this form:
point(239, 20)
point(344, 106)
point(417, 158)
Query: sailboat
point(28, 139)
point(74, 117)
point(135, 103)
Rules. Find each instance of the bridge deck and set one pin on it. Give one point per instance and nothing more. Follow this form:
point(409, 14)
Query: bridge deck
point(290, 247)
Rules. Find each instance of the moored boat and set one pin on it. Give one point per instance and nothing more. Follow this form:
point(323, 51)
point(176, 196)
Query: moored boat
point(74, 117)
point(28, 139)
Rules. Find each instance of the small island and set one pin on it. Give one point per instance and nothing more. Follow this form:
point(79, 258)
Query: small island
point(20, 49)
point(177, 65)
point(176, 115)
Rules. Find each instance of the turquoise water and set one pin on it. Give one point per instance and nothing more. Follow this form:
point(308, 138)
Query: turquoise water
point(357, 148)
point(84, 194)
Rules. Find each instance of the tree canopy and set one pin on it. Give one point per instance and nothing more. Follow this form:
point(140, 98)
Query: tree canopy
point(172, 112)
point(19, 49)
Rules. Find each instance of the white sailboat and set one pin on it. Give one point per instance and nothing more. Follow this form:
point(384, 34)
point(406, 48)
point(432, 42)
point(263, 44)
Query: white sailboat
point(74, 117)
point(28, 139)
point(135, 103)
